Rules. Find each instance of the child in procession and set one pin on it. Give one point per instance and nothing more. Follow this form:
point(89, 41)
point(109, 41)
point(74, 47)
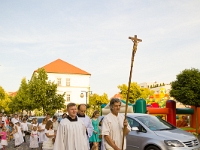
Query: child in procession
point(50, 136)
point(34, 138)
point(3, 135)
point(10, 129)
point(17, 133)
point(24, 127)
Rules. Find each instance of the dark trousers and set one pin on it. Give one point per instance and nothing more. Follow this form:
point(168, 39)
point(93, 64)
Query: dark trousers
point(25, 133)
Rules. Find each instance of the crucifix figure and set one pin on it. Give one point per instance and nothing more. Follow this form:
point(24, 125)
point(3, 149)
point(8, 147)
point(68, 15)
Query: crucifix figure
point(135, 41)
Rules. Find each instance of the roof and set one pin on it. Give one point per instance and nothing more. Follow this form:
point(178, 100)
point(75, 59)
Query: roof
point(136, 114)
point(60, 66)
point(12, 93)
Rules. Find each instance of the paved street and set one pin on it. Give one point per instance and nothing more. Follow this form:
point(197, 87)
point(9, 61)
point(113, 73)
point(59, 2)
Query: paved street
point(24, 146)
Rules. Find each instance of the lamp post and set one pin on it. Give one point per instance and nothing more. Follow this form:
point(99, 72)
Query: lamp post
point(86, 95)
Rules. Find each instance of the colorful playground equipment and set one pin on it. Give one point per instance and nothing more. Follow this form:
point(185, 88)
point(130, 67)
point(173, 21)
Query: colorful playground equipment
point(170, 112)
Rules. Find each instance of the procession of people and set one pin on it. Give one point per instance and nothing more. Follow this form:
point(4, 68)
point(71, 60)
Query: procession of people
point(76, 130)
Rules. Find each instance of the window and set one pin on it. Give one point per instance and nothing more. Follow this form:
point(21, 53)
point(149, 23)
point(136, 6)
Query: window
point(68, 98)
point(67, 81)
point(59, 81)
point(155, 123)
point(134, 123)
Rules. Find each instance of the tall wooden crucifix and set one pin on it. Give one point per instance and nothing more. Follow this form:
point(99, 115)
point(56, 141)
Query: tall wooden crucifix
point(135, 43)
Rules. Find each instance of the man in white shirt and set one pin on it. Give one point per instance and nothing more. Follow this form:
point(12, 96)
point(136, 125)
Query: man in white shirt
point(15, 118)
point(87, 121)
point(112, 127)
point(71, 133)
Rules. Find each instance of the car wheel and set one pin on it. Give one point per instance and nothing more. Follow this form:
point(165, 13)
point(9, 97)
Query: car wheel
point(152, 148)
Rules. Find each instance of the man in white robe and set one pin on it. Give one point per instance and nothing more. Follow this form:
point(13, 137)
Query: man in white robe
point(112, 127)
point(71, 133)
point(87, 121)
point(15, 118)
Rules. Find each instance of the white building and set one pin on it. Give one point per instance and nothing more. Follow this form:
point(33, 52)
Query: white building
point(156, 86)
point(70, 79)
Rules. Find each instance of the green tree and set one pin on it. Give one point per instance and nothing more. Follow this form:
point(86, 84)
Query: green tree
point(43, 93)
point(22, 98)
point(5, 103)
point(98, 100)
point(2, 93)
point(186, 88)
point(134, 94)
point(95, 102)
point(145, 93)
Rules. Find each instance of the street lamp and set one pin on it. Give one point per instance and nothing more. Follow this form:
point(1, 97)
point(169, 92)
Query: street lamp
point(86, 95)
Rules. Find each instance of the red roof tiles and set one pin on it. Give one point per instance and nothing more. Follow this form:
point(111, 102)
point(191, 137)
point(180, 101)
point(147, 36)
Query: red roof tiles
point(60, 66)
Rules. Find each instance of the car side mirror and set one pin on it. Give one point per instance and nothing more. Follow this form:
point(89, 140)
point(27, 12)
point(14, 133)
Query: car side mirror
point(134, 129)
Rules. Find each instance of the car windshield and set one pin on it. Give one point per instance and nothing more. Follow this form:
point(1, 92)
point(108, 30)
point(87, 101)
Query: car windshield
point(155, 123)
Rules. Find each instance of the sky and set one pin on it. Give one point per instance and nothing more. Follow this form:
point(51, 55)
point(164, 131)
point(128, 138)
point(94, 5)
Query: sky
point(93, 35)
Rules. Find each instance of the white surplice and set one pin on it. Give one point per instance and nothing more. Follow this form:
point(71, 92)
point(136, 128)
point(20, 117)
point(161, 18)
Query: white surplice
point(88, 124)
point(113, 126)
point(71, 135)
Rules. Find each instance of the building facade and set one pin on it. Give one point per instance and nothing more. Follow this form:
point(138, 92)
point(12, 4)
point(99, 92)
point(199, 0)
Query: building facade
point(71, 80)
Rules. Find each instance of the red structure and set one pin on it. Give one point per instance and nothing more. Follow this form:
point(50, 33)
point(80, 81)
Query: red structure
point(171, 116)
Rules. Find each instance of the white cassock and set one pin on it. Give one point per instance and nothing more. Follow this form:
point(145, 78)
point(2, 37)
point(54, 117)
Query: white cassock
point(113, 126)
point(71, 135)
point(88, 124)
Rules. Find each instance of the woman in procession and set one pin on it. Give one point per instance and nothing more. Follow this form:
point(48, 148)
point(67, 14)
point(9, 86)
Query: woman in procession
point(94, 139)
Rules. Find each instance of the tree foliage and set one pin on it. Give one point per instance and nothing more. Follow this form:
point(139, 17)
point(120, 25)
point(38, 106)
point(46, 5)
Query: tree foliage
point(43, 93)
point(186, 87)
point(23, 100)
point(98, 100)
point(5, 102)
point(2, 93)
point(136, 92)
point(95, 102)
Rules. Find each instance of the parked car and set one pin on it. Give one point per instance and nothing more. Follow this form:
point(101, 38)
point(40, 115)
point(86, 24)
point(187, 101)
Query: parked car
point(30, 120)
point(149, 132)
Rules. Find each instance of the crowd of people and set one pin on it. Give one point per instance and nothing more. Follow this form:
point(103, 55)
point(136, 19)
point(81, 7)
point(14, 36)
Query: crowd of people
point(76, 130)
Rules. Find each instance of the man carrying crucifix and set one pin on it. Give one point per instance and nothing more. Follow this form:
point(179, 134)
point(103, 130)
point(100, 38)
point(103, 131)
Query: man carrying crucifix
point(112, 127)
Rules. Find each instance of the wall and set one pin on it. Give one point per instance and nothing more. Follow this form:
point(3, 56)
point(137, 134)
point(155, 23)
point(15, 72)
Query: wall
point(78, 83)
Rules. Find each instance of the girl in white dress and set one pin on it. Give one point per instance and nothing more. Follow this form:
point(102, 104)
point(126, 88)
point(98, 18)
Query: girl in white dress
point(17, 133)
point(34, 138)
point(24, 127)
point(50, 136)
point(41, 132)
point(34, 123)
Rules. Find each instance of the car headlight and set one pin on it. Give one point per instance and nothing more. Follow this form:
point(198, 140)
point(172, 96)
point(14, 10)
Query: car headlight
point(173, 143)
